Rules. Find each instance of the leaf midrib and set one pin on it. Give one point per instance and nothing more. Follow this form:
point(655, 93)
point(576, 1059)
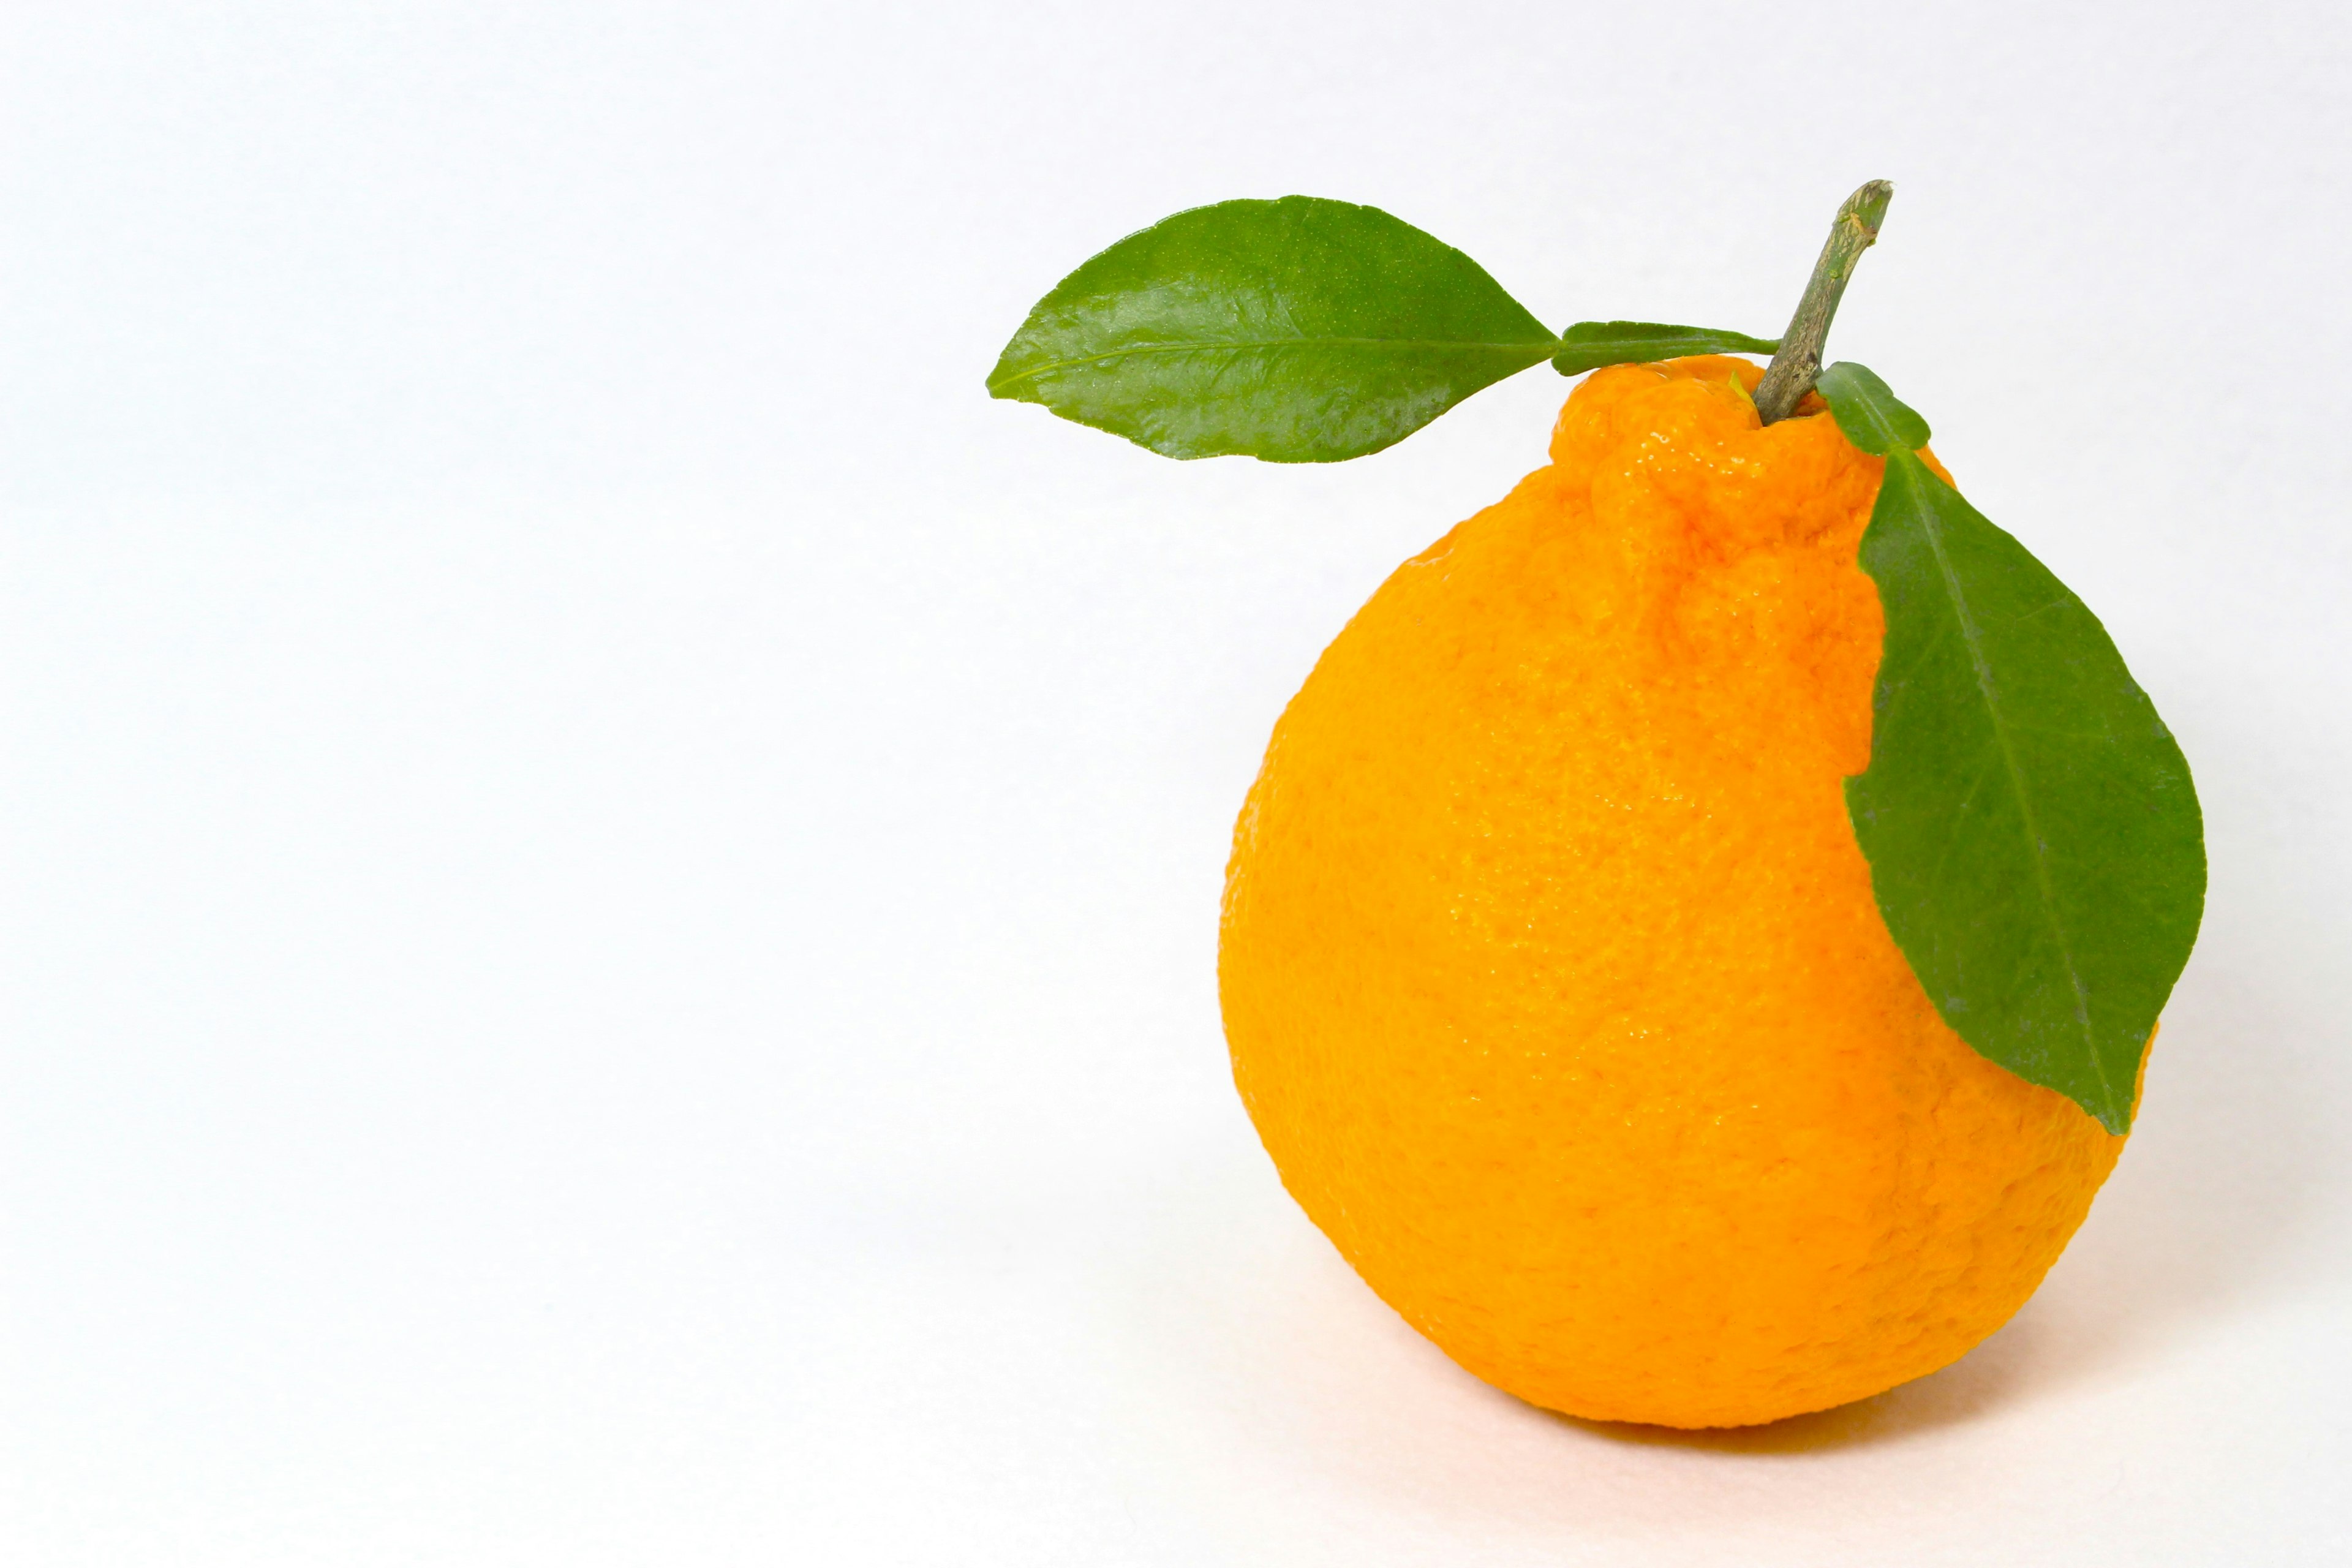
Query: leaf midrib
point(1880, 425)
point(1971, 638)
point(1537, 350)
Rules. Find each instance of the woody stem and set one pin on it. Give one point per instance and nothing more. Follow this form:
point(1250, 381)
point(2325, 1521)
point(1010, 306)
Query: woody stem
point(1790, 374)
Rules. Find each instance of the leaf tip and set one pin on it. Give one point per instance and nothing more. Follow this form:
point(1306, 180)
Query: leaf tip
point(2111, 1113)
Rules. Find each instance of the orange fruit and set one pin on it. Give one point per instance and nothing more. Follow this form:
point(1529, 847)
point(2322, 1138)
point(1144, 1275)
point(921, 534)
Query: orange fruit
point(1550, 966)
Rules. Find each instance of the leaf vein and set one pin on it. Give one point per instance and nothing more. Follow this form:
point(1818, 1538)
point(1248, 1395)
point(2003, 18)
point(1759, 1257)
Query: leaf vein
point(1935, 882)
point(1535, 351)
point(1972, 638)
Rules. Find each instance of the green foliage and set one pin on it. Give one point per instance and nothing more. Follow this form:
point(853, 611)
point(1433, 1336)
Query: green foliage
point(1869, 413)
point(1298, 331)
point(2034, 835)
point(1589, 345)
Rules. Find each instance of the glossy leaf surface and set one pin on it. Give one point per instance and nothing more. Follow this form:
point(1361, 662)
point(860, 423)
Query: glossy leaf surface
point(1867, 410)
point(1298, 331)
point(1589, 345)
point(2034, 835)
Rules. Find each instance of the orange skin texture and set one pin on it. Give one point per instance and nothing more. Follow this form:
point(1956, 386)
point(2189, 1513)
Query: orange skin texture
point(1551, 970)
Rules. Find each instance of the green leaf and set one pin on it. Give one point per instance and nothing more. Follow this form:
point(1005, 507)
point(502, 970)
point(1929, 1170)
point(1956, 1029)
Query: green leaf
point(2032, 833)
point(1589, 345)
point(1872, 416)
point(1298, 331)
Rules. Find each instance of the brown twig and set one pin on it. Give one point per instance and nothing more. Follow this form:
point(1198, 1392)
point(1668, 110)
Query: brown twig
point(1790, 374)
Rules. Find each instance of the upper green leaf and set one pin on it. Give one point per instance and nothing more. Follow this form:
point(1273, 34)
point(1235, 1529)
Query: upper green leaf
point(1589, 345)
point(2034, 835)
point(1298, 331)
point(1867, 410)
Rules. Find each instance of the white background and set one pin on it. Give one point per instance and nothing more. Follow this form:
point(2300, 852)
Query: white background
point(610, 875)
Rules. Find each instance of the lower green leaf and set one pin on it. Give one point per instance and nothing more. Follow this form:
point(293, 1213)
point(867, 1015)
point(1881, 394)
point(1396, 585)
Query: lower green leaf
point(2034, 835)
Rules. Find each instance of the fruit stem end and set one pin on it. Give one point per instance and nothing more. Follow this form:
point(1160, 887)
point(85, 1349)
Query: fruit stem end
point(1794, 369)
